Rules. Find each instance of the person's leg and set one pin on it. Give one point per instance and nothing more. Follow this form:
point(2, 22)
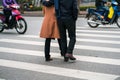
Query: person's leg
point(59, 42)
point(63, 36)
point(47, 49)
point(71, 27)
point(7, 13)
point(106, 12)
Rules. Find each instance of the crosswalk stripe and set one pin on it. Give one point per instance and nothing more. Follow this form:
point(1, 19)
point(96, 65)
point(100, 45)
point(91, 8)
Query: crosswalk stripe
point(98, 41)
point(97, 31)
point(85, 47)
point(81, 27)
point(81, 34)
point(81, 39)
point(2, 79)
point(98, 35)
point(58, 71)
point(56, 55)
point(29, 36)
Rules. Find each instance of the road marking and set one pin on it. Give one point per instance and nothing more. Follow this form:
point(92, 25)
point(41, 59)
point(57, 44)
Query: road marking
point(81, 39)
point(98, 41)
point(98, 35)
point(58, 71)
point(97, 31)
point(80, 34)
point(2, 79)
point(56, 55)
point(84, 47)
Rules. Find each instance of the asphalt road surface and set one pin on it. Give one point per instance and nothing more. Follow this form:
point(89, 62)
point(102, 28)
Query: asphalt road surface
point(97, 51)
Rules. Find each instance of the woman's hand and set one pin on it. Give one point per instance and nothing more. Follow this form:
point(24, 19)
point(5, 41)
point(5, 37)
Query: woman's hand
point(8, 6)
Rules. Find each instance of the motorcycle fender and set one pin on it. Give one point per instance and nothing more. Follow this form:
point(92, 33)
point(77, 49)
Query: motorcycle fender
point(18, 17)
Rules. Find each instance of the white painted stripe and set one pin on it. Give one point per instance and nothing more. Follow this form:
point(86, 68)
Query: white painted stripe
point(80, 34)
point(85, 47)
point(98, 35)
point(97, 31)
point(98, 41)
point(58, 71)
point(29, 36)
point(81, 27)
point(96, 48)
point(81, 39)
point(56, 55)
point(2, 79)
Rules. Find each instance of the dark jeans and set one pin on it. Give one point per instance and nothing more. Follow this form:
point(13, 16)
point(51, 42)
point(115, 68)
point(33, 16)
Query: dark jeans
point(67, 25)
point(47, 47)
point(106, 11)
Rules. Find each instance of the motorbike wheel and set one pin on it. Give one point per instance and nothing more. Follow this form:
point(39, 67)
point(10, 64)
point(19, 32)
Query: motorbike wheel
point(1, 26)
point(118, 21)
point(91, 21)
point(21, 26)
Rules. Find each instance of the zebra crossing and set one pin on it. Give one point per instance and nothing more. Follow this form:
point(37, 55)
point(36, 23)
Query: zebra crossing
point(87, 66)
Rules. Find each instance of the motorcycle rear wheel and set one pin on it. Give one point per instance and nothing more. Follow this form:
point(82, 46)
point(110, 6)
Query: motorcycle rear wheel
point(118, 21)
point(1, 26)
point(21, 26)
point(92, 18)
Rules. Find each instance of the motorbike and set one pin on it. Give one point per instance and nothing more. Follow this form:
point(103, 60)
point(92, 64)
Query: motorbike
point(16, 20)
point(95, 17)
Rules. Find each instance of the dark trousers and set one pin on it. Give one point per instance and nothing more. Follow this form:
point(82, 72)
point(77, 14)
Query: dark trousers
point(106, 11)
point(47, 47)
point(7, 13)
point(64, 26)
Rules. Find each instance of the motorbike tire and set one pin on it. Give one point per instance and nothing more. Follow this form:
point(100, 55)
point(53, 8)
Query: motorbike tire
point(1, 26)
point(91, 24)
point(21, 26)
point(1, 30)
point(118, 21)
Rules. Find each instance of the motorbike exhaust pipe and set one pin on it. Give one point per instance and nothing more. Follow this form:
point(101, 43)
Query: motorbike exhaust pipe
point(89, 21)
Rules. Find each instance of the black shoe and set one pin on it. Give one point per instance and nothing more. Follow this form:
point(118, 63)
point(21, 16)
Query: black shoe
point(62, 54)
point(66, 59)
point(49, 59)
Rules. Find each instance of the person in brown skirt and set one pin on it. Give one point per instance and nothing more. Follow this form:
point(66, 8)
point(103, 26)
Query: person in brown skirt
point(49, 30)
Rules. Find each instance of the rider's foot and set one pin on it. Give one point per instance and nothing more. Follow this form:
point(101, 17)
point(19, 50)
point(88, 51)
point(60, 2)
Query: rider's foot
point(104, 21)
point(5, 25)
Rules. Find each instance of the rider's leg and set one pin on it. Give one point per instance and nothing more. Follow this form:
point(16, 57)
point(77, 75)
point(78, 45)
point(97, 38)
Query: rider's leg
point(106, 12)
point(7, 13)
